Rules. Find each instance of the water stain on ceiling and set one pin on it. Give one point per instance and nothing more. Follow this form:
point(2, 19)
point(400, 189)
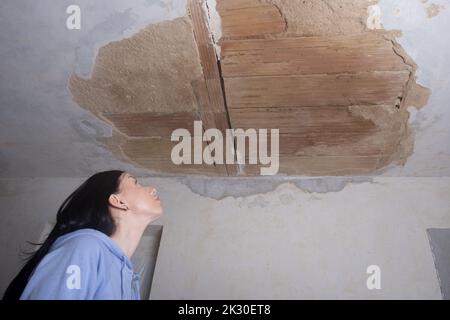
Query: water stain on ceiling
point(338, 91)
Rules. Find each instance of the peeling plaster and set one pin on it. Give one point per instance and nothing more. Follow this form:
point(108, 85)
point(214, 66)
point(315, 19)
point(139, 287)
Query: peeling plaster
point(219, 189)
point(420, 38)
point(432, 9)
point(150, 71)
point(319, 17)
point(153, 71)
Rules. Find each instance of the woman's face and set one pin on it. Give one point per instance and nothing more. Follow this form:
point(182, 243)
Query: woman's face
point(142, 200)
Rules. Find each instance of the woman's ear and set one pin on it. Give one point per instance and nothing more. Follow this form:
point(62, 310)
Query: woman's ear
point(115, 201)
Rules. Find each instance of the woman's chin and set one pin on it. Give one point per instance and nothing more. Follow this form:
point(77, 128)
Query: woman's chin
point(158, 213)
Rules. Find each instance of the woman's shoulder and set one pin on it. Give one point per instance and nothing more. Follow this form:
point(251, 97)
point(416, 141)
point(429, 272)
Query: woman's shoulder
point(88, 240)
point(75, 261)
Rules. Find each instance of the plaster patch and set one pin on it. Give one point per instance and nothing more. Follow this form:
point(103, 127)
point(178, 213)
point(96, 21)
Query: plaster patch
point(418, 96)
point(219, 189)
point(322, 17)
point(432, 9)
point(396, 136)
point(150, 71)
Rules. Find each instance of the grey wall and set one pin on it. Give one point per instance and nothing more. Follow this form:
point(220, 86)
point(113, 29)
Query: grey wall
point(440, 246)
point(279, 243)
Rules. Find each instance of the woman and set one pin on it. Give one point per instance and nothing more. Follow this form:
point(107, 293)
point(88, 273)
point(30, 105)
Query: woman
point(87, 254)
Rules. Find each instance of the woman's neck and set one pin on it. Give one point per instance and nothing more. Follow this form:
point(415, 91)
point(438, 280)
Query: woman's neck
point(128, 236)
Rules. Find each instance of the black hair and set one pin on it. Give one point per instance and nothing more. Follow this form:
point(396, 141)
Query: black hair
point(86, 207)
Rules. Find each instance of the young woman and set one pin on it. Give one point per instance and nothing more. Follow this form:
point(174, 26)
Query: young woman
point(87, 254)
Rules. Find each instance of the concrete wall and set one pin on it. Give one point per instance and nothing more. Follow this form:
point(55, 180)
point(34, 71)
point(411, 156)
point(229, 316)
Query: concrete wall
point(277, 241)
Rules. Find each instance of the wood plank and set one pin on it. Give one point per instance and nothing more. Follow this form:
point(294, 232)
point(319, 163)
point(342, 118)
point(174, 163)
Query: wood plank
point(328, 144)
point(255, 29)
point(224, 5)
point(300, 120)
point(338, 41)
point(374, 88)
point(152, 124)
point(249, 18)
point(212, 118)
point(209, 93)
point(155, 154)
point(255, 14)
point(329, 130)
point(205, 45)
point(324, 55)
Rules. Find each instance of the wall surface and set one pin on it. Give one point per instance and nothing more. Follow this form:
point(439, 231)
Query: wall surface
point(277, 241)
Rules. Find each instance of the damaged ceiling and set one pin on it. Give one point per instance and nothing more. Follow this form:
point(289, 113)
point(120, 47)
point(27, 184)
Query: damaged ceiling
point(337, 84)
point(337, 90)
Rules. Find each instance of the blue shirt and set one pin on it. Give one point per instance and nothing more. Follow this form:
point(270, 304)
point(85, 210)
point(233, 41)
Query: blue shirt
point(84, 264)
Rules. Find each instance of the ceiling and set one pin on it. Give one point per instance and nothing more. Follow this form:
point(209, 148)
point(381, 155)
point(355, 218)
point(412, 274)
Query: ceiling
point(348, 100)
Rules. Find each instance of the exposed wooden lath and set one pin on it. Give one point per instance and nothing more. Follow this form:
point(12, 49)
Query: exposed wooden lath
point(309, 127)
point(368, 88)
point(309, 88)
point(210, 96)
point(249, 18)
point(152, 124)
point(309, 55)
point(155, 153)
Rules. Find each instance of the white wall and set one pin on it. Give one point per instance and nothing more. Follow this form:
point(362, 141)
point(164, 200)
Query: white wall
point(285, 243)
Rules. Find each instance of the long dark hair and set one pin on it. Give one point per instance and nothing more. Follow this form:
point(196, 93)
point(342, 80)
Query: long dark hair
point(86, 207)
